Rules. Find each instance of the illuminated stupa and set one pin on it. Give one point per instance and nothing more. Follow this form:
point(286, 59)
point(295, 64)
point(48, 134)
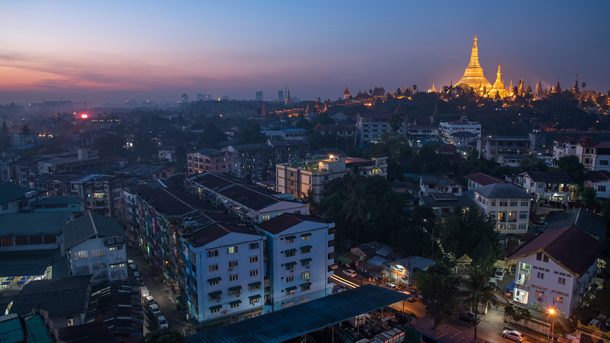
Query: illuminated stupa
point(473, 75)
point(498, 87)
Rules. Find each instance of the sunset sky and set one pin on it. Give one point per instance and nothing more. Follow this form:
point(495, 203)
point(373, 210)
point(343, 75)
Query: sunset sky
point(115, 50)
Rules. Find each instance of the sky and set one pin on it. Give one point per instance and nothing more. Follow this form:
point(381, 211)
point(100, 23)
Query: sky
point(105, 51)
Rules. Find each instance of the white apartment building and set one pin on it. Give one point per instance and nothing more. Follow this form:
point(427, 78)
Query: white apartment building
point(549, 186)
point(250, 203)
point(506, 204)
point(225, 270)
point(555, 269)
point(308, 178)
point(95, 246)
point(371, 127)
point(563, 148)
point(448, 128)
point(433, 184)
point(301, 256)
point(594, 156)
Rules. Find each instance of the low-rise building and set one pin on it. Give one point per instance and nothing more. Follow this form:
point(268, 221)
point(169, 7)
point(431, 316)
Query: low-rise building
point(461, 133)
point(444, 204)
point(371, 127)
point(206, 160)
point(433, 184)
point(506, 150)
point(31, 231)
point(95, 246)
point(556, 187)
point(225, 269)
point(555, 269)
point(506, 204)
point(600, 182)
point(301, 254)
point(563, 147)
point(14, 197)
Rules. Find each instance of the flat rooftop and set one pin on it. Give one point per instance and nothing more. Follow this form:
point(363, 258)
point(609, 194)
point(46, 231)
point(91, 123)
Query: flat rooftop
point(299, 320)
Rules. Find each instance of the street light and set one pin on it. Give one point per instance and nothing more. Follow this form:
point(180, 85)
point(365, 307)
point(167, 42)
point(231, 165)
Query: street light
point(552, 312)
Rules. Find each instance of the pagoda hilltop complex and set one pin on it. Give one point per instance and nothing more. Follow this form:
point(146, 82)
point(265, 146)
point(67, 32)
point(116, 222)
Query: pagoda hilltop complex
point(473, 75)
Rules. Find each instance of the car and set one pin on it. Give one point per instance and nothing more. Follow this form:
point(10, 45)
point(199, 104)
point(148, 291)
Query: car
point(132, 265)
point(350, 272)
point(469, 317)
point(154, 309)
point(512, 335)
point(500, 273)
point(136, 274)
point(390, 285)
point(163, 324)
point(144, 291)
point(149, 300)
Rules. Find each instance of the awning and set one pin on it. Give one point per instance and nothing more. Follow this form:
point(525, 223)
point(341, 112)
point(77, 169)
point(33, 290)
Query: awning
point(290, 264)
point(306, 234)
point(290, 251)
point(215, 294)
point(254, 284)
point(214, 279)
point(306, 284)
point(234, 288)
point(235, 302)
point(215, 307)
point(291, 288)
point(290, 237)
point(253, 297)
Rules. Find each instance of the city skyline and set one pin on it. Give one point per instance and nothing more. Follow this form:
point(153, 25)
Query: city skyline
point(159, 51)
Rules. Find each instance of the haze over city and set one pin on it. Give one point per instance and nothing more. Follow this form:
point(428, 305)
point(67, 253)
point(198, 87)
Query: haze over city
point(98, 51)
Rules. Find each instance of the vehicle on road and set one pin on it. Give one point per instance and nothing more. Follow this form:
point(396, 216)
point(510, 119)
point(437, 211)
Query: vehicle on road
point(144, 291)
point(154, 309)
point(390, 285)
point(512, 335)
point(350, 272)
point(149, 300)
point(132, 265)
point(500, 274)
point(163, 324)
point(469, 317)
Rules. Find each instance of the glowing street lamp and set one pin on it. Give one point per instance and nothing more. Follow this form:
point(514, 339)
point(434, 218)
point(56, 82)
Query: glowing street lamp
point(552, 312)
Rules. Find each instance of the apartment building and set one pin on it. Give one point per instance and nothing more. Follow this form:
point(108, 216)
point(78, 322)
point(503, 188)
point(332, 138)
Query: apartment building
point(506, 150)
point(461, 133)
point(371, 127)
point(206, 160)
point(563, 147)
point(101, 193)
point(555, 269)
point(301, 256)
point(506, 204)
point(594, 156)
point(433, 184)
point(556, 187)
point(225, 269)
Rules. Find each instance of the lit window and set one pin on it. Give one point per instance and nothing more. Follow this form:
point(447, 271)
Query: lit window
point(232, 249)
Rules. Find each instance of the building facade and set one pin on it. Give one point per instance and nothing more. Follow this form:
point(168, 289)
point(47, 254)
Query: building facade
point(507, 205)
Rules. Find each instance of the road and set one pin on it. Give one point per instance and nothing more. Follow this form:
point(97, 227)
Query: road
point(153, 281)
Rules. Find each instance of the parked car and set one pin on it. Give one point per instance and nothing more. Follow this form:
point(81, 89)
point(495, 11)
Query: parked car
point(132, 265)
point(500, 273)
point(154, 309)
point(163, 324)
point(149, 300)
point(350, 272)
point(144, 291)
point(512, 335)
point(468, 317)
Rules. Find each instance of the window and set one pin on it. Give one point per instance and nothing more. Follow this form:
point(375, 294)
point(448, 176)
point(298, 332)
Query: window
point(215, 309)
point(525, 203)
point(542, 257)
point(306, 249)
point(306, 236)
point(561, 280)
point(503, 203)
point(306, 276)
point(331, 243)
point(213, 267)
point(290, 239)
point(522, 226)
point(80, 255)
point(254, 272)
point(232, 264)
point(232, 249)
point(493, 203)
point(253, 245)
point(235, 304)
point(233, 277)
point(291, 290)
point(603, 162)
point(559, 299)
point(305, 286)
point(513, 203)
point(540, 275)
point(253, 259)
point(290, 252)
point(212, 253)
point(601, 188)
point(523, 214)
point(289, 278)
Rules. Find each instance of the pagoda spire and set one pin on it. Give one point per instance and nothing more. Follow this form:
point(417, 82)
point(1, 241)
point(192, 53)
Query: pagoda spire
point(474, 54)
point(498, 89)
point(473, 74)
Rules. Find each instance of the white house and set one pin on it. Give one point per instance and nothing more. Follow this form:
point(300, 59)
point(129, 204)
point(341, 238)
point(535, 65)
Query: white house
point(95, 245)
point(460, 132)
point(549, 186)
point(600, 181)
point(225, 268)
point(506, 204)
point(300, 259)
point(555, 269)
point(432, 184)
point(564, 147)
point(594, 156)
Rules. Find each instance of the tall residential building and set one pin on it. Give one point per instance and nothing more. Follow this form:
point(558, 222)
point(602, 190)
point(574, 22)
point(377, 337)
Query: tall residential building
point(225, 269)
point(259, 95)
point(506, 204)
point(300, 261)
point(307, 179)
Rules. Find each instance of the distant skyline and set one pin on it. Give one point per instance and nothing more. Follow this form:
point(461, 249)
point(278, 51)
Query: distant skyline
point(110, 51)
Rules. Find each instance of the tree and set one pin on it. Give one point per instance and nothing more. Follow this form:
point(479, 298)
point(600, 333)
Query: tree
point(163, 336)
point(572, 166)
point(212, 135)
point(355, 209)
point(438, 289)
point(588, 196)
point(249, 132)
point(26, 129)
point(478, 291)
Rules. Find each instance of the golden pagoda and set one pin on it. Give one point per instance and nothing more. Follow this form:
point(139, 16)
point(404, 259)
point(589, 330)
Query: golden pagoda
point(473, 75)
point(498, 87)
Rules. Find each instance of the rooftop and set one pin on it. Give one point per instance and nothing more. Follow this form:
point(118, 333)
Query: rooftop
point(296, 321)
point(90, 226)
point(11, 192)
point(90, 333)
point(31, 329)
point(33, 263)
point(483, 179)
point(215, 231)
point(587, 221)
point(502, 191)
point(571, 247)
point(549, 177)
point(286, 221)
point(32, 223)
point(66, 296)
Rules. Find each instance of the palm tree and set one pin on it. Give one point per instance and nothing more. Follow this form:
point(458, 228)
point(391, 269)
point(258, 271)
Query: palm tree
point(354, 209)
point(478, 291)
